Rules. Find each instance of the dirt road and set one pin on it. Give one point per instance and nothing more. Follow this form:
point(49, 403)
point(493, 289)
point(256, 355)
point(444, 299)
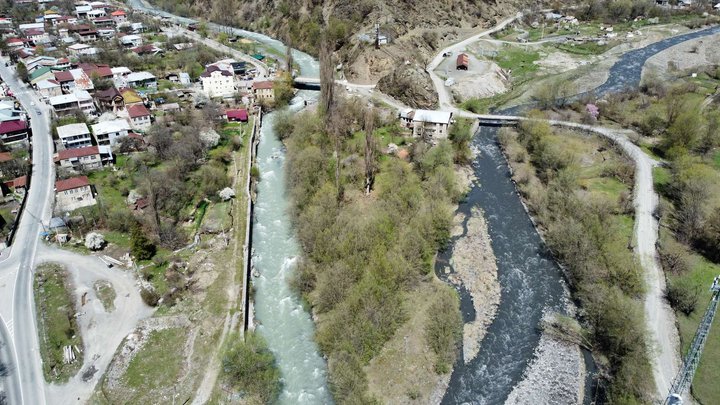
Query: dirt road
point(102, 331)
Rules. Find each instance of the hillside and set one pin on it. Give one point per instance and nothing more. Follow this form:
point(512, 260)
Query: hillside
point(414, 30)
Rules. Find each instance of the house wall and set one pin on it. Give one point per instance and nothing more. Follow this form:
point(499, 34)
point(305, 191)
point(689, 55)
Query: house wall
point(429, 129)
point(141, 122)
point(70, 200)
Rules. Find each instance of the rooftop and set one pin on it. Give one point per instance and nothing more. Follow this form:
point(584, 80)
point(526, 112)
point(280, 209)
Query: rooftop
point(107, 127)
point(69, 130)
point(137, 110)
point(78, 152)
point(140, 76)
point(12, 126)
point(71, 183)
point(262, 85)
point(437, 117)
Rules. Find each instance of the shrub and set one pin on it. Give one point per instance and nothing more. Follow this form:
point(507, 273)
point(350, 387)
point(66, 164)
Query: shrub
point(149, 297)
point(444, 329)
point(249, 366)
point(682, 294)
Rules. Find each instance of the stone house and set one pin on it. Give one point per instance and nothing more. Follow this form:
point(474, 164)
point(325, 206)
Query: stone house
point(73, 193)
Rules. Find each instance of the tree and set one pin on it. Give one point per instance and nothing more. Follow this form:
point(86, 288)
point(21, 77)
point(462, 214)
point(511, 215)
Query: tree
point(141, 248)
point(461, 135)
point(327, 76)
point(370, 146)
point(683, 295)
point(283, 89)
point(22, 72)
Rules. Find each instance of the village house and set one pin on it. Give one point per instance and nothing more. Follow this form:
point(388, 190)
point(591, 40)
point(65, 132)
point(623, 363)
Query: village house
point(82, 49)
point(106, 133)
point(130, 97)
point(217, 82)
point(427, 124)
point(110, 100)
point(119, 16)
point(263, 91)
point(131, 41)
point(37, 36)
point(149, 49)
point(41, 74)
point(88, 35)
point(96, 13)
point(74, 79)
point(106, 33)
point(77, 100)
point(73, 193)
point(103, 22)
point(237, 115)
point(141, 79)
point(14, 131)
point(82, 11)
point(139, 116)
point(48, 88)
point(79, 159)
point(74, 135)
point(18, 185)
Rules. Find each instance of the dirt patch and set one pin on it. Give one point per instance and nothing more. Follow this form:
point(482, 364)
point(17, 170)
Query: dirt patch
point(473, 266)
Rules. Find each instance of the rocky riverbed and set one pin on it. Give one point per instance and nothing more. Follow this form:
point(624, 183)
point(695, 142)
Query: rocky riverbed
point(474, 268)
point(555, 375)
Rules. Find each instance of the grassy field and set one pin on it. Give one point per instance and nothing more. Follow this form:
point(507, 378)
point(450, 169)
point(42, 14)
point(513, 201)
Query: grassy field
point(106, 294)
point(157, 364)
point(705, 388)
point(57, 325)
point(519, 60)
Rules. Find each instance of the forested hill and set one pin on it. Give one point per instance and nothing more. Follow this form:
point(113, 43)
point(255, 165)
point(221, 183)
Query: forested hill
point(415, 29)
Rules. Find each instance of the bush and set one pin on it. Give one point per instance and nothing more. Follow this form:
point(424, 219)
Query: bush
point(149, 297)
point(682, 294)
point(249, 366)
point(444, 329)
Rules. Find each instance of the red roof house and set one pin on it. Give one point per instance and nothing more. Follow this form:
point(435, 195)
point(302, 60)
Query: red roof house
point(240, 114)
point(71, 183)
point(20, 182)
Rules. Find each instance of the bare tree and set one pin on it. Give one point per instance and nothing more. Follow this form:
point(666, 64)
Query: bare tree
point(369, 127)
point(327, 80)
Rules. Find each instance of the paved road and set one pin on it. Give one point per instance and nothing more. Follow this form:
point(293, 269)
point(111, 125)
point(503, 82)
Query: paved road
point(17, 308)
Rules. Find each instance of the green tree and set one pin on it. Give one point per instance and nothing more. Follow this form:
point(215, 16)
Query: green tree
point(140, 246)
point(461, 135)
point(22, 71)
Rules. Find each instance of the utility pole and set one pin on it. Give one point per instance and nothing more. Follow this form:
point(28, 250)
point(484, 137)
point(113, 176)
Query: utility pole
point(692, 359)
point(377, 35)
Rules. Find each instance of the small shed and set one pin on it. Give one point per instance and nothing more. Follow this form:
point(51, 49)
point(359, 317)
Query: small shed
point(463, 62)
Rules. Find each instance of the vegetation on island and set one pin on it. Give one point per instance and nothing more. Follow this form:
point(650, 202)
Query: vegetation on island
point(369, 224)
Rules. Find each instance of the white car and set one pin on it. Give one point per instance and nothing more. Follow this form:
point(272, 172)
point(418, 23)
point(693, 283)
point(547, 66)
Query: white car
point(32, 103)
